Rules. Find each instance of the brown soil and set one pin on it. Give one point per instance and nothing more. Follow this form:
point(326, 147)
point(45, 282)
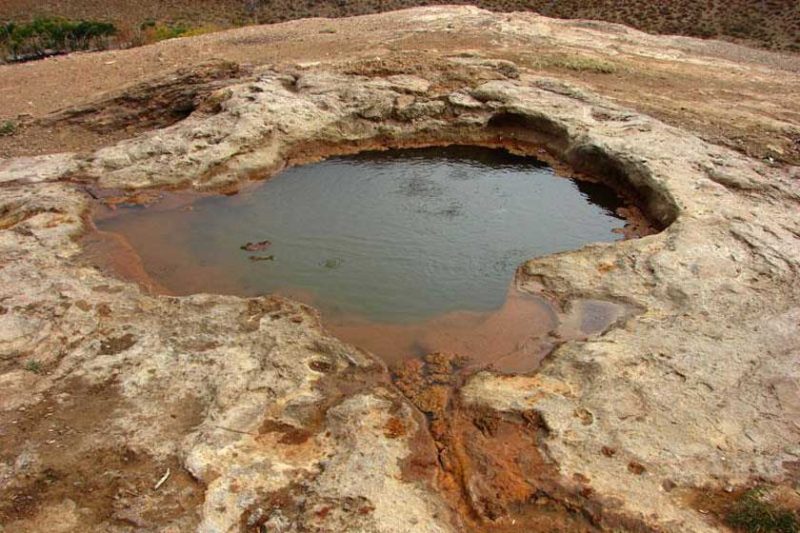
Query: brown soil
point(114, 484)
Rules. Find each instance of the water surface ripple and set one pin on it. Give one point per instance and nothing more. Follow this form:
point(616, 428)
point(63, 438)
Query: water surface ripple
point(392, 237)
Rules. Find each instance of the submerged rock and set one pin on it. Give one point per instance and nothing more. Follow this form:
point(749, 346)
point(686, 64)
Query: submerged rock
point(256, 246)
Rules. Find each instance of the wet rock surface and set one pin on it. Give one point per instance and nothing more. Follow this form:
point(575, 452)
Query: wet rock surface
point(264, 420)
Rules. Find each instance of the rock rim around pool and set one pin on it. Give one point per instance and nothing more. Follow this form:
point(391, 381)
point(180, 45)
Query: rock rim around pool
point(263, 419)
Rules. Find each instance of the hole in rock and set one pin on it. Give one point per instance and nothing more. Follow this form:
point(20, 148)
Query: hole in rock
point(405, 252)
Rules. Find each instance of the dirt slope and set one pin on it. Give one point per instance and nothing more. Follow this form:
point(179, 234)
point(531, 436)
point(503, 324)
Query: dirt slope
point(768, 23)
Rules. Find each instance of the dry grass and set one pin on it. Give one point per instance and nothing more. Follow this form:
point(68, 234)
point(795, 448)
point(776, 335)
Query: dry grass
point(754, 514)
point(577, 63)
point(7, 127)
point(767, 23)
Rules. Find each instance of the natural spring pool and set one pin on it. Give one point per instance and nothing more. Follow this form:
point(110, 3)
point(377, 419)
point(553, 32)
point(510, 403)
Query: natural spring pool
point(406, 249)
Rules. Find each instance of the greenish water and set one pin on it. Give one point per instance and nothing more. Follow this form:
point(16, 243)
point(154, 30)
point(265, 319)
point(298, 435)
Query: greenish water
point(394, 236)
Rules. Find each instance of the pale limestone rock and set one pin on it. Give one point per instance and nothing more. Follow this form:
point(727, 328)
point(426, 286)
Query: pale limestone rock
point(699, 384)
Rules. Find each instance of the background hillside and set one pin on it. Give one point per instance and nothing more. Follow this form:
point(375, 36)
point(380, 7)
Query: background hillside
point(767, 23)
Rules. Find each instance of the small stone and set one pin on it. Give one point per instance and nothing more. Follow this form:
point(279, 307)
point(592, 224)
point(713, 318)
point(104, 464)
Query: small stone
point(409, 84)
point(417, 110)
point(379, 109)
point(464, 100)
point(636, 468)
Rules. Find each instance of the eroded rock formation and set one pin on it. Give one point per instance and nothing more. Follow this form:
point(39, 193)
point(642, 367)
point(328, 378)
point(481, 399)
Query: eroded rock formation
point(262, 419)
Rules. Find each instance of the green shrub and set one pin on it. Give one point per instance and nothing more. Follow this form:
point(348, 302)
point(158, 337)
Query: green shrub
point(7, 127)
point(34, 366)
point(755, 515)
point(151, 31)
point(45, 36)
point(169, 32)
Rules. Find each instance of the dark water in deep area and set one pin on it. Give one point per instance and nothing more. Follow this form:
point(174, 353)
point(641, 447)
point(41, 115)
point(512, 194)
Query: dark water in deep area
point(391, 237)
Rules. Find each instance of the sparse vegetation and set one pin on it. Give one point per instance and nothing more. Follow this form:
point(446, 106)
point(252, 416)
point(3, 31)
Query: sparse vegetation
point(577, 63)
point(48, 36)
point(34, 366)
point(754, 514)
point(150, 32)
point(155, 32)
point(42, 37)
point(7, 127)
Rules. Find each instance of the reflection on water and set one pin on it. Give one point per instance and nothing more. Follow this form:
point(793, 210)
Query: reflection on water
point(410, 242)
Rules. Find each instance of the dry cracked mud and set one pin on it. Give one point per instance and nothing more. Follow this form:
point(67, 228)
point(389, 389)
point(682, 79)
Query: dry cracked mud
point(123, 409)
